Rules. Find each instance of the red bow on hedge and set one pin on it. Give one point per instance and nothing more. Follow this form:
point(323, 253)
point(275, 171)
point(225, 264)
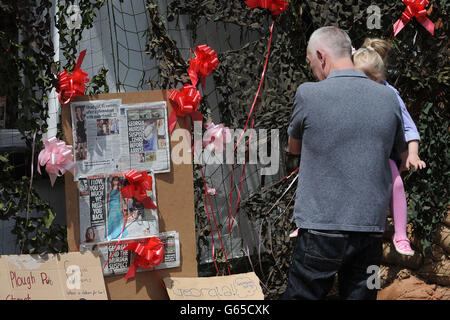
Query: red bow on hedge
point(203, 64)
point(140, 183)
point(414, 8)
point(275, 6)
point(148, 255)
point(72, 85)
point(184, 102)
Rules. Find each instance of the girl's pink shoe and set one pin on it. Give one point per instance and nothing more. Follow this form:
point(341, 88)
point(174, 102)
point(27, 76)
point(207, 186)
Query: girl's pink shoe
point(402, 246)
point(293, 234)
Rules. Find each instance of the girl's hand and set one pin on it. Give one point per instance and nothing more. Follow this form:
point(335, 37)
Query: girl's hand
point(414, 160)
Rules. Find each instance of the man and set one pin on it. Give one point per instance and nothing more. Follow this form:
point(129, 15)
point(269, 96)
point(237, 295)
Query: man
point(344, 127)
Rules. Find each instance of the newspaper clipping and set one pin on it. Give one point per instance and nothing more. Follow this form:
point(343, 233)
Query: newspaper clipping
point(95, 127)
point(110, 137)
point(120, 260)
point(103, 210)
point(145, 142)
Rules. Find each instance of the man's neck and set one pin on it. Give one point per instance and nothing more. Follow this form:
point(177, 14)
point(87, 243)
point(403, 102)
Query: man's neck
point(341, 64)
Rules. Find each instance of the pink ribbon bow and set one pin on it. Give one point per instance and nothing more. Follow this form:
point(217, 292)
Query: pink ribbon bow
point(414, 8)
point(215, 137)
point(204, 63)
point(275, 6)
point(56, 157)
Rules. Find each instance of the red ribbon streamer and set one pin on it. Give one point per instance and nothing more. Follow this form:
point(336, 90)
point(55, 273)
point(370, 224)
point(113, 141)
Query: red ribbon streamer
point(140, 183)
point(185, 102)
point(212, 230)
point(72, 85)
point(252, 109)
point(275, 6)
point(148, 255)
point(414, 8)
point(204, 63)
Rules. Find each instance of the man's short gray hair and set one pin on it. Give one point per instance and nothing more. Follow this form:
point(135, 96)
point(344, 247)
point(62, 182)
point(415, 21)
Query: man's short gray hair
point(332, 38)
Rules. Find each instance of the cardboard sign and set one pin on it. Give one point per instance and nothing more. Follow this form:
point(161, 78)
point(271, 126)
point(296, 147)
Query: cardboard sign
point(244, 286)
point(69, 276)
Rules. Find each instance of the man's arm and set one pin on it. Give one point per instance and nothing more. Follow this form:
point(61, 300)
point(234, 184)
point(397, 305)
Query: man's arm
point(294, 146)
point(295, 133)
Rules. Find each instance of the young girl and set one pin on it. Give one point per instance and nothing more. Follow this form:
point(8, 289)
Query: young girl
point(115, 211)
point(81, 134)
point(371, 59)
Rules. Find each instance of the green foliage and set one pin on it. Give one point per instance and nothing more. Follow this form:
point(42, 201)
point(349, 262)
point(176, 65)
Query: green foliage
point(33, 217)
point(70, 38)
point(428, 190)
point(418, 68)
point(172, 68)
point(97, 82)
point(28, 73)
point(28, 57)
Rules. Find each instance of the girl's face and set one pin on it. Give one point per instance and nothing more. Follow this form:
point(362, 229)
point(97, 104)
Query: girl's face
point(90, 234)
point(115, 182)
point(79, 113)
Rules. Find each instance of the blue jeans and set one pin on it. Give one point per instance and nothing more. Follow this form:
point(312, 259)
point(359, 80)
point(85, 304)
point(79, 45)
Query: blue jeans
point(319, 255)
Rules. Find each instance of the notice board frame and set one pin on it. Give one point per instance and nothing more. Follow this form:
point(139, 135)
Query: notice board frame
point(175, 198)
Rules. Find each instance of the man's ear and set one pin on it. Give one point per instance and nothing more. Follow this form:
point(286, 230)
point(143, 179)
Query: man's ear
point(319, 55)
point(321, 58)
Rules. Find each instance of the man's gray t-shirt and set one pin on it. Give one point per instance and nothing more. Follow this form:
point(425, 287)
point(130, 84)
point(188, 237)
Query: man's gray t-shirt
point(349, 125)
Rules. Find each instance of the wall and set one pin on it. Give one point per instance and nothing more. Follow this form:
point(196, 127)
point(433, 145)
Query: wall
point(117, 42)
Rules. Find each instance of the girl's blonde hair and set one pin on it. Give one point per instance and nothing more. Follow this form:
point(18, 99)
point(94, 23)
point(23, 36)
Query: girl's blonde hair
point(382, 47)
point(370, 62)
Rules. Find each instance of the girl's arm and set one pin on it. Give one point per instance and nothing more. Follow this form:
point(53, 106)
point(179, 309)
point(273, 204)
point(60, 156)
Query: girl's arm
point(121, 201)
point(107, 201)
point(412, 137)
point(413, 156)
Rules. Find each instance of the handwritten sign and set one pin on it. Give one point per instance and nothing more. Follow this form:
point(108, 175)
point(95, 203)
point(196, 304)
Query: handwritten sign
point(68, 276)
point(244, 286)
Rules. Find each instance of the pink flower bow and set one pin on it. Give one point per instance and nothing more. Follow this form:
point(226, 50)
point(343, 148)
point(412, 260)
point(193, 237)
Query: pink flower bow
point(56, 157)
point(216, 136)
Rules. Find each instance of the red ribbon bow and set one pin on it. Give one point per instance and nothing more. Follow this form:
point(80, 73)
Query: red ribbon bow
point(414, 8)
point(140, 183)
point(148, 255)
point(275, 6)
point(72, 85)
point(184, 102)
point(204, 63)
